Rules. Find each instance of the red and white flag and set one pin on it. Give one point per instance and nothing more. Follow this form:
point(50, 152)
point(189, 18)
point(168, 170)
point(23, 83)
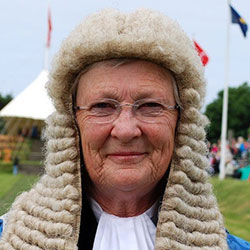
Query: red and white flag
point(49, 29)
point(204, 57)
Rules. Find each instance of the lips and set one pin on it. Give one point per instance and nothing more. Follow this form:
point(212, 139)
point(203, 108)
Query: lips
point(126, 154)
point(127, 157)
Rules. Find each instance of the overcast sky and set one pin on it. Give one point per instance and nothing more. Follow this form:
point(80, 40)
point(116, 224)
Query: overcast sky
point(23, 26)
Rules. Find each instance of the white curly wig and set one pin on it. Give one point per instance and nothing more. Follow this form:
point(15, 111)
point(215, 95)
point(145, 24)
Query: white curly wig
point(48, 216)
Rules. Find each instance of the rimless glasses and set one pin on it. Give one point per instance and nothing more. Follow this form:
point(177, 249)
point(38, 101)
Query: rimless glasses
point(107, 110)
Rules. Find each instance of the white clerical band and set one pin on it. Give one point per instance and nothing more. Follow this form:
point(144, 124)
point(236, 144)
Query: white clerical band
point(118, 233)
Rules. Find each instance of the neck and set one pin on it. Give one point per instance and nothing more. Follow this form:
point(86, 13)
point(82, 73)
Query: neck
point(125, 204)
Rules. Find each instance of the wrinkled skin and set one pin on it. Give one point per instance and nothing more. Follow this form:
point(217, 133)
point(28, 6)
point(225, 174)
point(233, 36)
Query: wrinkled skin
point(126, 159)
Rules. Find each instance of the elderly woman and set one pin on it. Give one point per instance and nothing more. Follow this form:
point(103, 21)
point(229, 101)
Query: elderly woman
point(126, 159)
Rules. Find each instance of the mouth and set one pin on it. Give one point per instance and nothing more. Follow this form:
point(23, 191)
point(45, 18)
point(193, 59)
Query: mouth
point(127, 157)
point(126, 153)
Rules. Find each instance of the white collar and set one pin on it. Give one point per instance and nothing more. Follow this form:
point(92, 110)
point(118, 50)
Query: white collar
point(129, 233)
point(152, 212)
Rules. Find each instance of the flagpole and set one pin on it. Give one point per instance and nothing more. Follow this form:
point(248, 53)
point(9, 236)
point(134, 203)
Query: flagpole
point(46, 59)
point(225, 101)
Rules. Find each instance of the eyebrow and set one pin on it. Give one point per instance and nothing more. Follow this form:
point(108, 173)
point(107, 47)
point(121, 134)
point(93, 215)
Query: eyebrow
point(111, 93)
point(135, 97)
point(143, 95)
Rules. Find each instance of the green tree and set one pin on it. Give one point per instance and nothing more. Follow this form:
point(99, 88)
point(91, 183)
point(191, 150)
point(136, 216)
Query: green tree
point(5, 100)
point(238, 112)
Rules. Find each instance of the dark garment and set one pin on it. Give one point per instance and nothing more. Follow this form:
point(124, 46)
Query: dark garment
point(88, 224)
point(88, 231)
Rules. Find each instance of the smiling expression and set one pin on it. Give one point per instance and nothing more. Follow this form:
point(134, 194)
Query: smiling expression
point(126, 155)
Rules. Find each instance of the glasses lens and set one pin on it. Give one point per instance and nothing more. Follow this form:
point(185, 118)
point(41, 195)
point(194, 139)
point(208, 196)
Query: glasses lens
point(149, 111)
point(103, 112)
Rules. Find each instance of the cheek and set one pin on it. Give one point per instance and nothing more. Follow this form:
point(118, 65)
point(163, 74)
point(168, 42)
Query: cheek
point(162, 138)
point(162, 135)
point(93, 139)
point(93, 136)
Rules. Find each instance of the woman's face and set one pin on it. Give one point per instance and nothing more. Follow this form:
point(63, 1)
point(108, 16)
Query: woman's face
point(126, 154)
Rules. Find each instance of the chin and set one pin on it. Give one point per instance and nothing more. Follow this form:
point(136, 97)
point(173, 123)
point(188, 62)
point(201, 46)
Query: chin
point(129, 180)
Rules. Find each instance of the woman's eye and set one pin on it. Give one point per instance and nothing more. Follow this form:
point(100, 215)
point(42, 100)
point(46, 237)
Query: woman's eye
point(150, 108)
point(102, 107)
point(150, 105)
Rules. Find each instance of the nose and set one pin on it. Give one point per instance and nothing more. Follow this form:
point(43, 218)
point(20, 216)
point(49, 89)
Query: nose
point(126, 126)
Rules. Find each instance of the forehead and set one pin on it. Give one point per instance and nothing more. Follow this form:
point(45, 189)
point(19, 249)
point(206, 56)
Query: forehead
point(133, 79)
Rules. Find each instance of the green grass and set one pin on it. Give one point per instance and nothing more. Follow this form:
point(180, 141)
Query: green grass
point(34, 163)
point(234, 201)
point(5, 168)
point(11, 186)
point(8, 166)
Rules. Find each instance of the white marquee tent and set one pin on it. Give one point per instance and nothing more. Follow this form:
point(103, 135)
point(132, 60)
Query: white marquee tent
point(30, 108)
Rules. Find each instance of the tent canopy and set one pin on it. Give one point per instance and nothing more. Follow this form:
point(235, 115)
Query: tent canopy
point(32, 103)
